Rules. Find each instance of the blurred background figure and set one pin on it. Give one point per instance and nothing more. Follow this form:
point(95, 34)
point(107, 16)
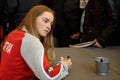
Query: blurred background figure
point(2, 20)
point(67, 13)
point(14, 11)
point(101, 22)
point(82, 6)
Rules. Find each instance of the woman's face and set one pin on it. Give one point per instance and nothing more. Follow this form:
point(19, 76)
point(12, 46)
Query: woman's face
point(43, 23)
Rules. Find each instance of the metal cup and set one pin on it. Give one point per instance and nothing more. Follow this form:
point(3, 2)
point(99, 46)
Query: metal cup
point(102, 65)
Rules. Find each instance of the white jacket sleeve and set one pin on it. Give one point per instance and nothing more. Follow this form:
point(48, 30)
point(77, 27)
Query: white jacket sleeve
point(32, 52)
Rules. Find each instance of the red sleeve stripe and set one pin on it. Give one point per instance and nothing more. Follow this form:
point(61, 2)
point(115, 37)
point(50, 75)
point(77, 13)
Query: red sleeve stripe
point(54, 73)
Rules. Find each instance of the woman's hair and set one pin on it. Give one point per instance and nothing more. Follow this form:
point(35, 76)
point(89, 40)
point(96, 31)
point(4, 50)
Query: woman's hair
point(30, 24)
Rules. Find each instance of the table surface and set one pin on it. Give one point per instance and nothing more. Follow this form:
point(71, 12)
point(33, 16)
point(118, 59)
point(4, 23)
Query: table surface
point(83, 60)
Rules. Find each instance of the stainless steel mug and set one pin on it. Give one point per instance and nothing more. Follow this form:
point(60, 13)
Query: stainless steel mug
point(102, 65)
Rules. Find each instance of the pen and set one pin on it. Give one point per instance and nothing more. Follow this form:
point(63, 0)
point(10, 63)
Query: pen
point(68, 57)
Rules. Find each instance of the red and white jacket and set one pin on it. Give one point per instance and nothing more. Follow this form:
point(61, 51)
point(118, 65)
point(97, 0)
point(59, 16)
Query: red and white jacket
point(23, 58)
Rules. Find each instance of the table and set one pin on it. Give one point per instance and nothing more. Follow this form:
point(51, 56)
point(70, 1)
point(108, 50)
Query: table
point(83, 60)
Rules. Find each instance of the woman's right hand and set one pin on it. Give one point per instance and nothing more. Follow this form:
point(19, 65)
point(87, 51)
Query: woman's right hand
point(68, 61)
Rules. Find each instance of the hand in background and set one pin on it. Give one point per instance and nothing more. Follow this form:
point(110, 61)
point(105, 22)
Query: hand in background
point(96, 44)
point(75, 36)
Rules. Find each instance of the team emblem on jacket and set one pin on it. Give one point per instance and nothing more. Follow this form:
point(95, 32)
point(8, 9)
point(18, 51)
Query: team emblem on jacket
point(50, 69)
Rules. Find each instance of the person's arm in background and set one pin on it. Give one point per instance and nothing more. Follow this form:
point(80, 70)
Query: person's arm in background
point(72, 16)
point(112, 24)
point(82, 5)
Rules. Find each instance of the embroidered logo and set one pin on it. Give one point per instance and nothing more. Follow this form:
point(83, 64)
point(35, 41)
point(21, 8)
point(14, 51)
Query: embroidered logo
point(7, 47)
point(50, 69)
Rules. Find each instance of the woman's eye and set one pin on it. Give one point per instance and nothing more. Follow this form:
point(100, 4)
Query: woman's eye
point(45, 20)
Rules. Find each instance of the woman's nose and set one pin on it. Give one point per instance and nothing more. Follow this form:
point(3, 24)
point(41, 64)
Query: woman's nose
point(49, 26)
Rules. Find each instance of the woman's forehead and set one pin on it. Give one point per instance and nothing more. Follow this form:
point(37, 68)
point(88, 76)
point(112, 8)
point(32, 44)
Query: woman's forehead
point(48, 15)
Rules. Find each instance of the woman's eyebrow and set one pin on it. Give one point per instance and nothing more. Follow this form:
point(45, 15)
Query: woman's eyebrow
point(46, 18)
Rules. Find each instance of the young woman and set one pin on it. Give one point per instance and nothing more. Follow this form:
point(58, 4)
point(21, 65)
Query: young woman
point(28, 50)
